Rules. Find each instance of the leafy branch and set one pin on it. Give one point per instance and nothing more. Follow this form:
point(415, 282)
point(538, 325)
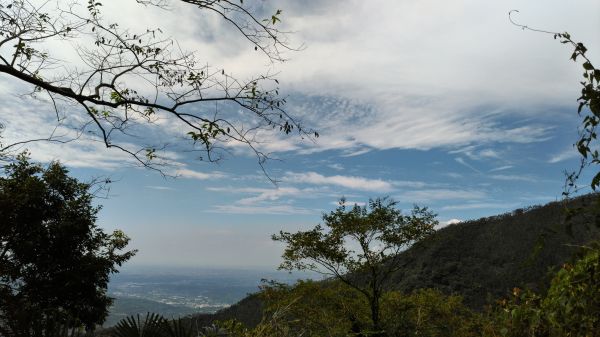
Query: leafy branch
point(588, 109)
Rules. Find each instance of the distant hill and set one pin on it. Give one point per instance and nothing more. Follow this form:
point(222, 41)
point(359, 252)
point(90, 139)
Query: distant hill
point(248, 311)
point(483, 259)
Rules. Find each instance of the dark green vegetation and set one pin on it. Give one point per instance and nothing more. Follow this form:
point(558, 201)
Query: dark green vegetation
point(54, 261)
point(483, 259)
point(570, 307)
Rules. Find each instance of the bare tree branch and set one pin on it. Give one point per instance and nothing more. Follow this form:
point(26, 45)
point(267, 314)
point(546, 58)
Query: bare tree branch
point(125, 79)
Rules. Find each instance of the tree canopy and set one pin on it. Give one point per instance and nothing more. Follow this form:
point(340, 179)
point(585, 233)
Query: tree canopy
point(124, 81)
point(358, 245)
point(55, 262)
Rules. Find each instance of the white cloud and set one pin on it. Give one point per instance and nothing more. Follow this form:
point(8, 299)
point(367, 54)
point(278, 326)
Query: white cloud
point(191, 174)
point(446, 223)
point(567, 154)
point(408, 184)
point(278, 200)
point(476, 154)
point(399, 74)
point(160, 188)
point(262, 209)
point(512, 177)
point(350, 182)
point(479, 205)
point(464, 163)
point(273, 195)
point(349, 203)
point(336, 166)
point(501, 168)
point(440, 194)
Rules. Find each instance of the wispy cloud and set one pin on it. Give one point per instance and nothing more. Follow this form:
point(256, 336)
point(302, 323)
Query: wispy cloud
point(397, 103)
point(349, 203)
point(501, 168)
point(569, 153)
point(191, 174)
point(453, 175)
point(512, 177)
point(277, 200)
point(274, 195)
point(464, 163)
point(440, 194)
point(480, 205)
point(473, 153)
point(355, 152)
point(160, 188)
point(350, 182)
point(262, 209)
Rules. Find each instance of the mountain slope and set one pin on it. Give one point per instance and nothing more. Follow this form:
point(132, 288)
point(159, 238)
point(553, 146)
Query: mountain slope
point(483, 259)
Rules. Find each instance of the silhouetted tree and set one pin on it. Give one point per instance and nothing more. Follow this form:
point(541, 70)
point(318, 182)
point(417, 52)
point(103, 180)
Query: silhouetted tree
point(54, 261)
point(360, 246)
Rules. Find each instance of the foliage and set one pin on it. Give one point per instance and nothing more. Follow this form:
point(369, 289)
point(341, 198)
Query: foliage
point(427, 313)
point(133, 326)
point(571, 306)
point(155, 325)
point(54, 261)
point(588, 109)
point(331, 308)
point(379, 232)
point(124, 81)
point(327, 308)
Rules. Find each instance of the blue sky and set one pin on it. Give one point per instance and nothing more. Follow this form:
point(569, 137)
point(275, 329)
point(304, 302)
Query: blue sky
point(443, 104)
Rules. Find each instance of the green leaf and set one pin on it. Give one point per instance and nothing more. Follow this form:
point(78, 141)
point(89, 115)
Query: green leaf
point(588, 66)
point(596, 181)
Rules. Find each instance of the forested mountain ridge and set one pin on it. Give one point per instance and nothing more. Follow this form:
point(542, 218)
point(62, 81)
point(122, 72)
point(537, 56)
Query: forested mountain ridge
point(483, 259)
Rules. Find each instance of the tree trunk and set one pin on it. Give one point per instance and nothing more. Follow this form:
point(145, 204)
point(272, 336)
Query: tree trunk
point(377, 330)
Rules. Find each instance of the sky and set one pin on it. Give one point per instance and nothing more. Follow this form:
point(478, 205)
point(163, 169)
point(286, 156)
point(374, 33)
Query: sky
point(443, 104)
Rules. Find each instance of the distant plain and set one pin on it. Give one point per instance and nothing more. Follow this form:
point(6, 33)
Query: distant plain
point(181, 291)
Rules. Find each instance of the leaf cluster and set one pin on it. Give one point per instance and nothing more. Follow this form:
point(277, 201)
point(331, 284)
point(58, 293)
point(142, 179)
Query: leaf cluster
point(571, 307)
point(589, 109)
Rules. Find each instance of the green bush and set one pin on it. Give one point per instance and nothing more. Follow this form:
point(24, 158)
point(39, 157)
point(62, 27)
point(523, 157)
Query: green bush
point(428, 313)
point(334, 309)
point(570, 308)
